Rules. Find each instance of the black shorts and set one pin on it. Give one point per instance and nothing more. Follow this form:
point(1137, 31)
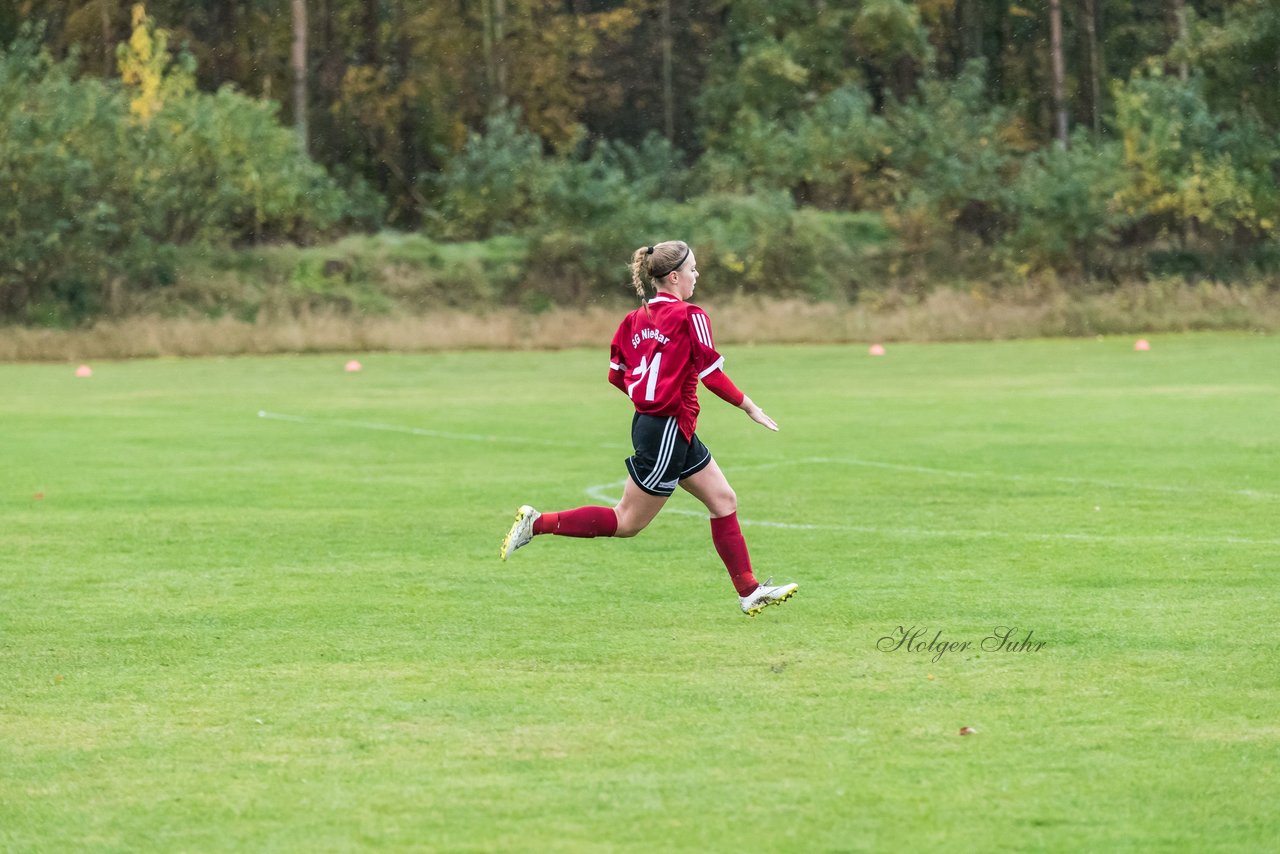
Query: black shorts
point(663, 457)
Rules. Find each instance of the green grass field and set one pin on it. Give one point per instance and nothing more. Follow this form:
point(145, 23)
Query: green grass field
point(226, 632)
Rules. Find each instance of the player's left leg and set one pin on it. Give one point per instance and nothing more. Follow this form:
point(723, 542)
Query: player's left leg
point(711, 487)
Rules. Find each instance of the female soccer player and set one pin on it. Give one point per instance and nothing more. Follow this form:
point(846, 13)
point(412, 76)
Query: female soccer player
point(659, 353)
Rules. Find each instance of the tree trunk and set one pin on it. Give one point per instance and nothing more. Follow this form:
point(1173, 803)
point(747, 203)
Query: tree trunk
point(108, 45)
point(1095, 72)
point(1059, 73)
point(300, 71)
point(486, 48)
point(499, 36)
point(1004, 36)
point(1180, 19)
point(408, 114)
point(668, 94)
point(971, 28)
point(369, 50)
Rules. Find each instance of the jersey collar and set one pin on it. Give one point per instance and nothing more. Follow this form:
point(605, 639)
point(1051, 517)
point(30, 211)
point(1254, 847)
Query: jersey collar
point(663, 296)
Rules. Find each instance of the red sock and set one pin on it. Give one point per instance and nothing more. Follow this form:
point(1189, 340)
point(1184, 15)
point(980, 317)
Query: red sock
point(732, 549)
point(583, 522)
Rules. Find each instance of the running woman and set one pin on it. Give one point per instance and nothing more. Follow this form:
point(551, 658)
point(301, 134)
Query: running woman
point(659, 353)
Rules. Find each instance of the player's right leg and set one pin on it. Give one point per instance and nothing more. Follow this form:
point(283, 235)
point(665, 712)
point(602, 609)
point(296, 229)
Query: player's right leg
point(636, 509)
point(654, 470)
point(632, 515)
point(521, 530)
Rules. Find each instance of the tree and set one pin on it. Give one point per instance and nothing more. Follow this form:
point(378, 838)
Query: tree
point(148, 70)
point(300, 71)
point(1095, 67)
point(1059, 73)
point(1239, 56)
point(668, 98)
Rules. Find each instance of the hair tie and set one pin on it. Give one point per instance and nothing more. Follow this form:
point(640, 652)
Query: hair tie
point(648, 250)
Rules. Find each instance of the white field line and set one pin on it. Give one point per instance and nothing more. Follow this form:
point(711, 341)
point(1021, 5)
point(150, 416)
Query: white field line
point(1017, 478)
point(419, 431)
point(600, 492)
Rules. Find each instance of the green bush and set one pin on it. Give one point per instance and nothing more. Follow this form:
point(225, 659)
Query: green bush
point(66, 231)
point(96, 198)
point(1191, 172)
point(1064, 211)
point(494, 185)
point(950, 154)
point(582, 211)
point(747, 244)
point(827, 156)
point(765, 244)
point(231, 154)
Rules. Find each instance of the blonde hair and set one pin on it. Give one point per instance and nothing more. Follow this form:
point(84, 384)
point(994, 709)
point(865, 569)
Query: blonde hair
point(664, 258)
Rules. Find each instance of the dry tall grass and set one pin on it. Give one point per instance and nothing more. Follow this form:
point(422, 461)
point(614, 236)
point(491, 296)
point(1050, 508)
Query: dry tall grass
point(944, 315)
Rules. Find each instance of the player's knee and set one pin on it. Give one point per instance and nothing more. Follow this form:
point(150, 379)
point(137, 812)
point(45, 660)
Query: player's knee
point(723, 503)
point(627, 527)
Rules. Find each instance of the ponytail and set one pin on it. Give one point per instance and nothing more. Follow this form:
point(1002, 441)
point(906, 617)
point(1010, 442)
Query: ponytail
point(639, 263)
point(667, 257)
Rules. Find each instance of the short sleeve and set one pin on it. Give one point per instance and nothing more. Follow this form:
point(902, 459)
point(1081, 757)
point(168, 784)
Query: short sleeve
point(705, 357)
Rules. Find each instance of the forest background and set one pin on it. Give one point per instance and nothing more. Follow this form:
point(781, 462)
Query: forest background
point(1104, 166)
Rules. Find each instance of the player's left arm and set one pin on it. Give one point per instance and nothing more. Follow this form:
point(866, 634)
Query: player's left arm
point(710, 365)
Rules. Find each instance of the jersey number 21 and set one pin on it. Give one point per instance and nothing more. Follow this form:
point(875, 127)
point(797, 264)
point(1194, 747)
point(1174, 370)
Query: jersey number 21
point(649, 369)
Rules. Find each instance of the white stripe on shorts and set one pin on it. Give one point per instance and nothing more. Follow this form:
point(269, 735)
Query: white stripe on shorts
point(695, 465)
point(664, 453)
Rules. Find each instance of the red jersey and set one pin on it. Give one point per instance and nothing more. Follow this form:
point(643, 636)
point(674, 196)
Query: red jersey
point(659, 353)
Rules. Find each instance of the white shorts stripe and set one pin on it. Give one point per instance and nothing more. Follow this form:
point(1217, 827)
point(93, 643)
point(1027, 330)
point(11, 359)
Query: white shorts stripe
point(662, 444)
point(668, 447)
point(664, 454)
point(695, 465)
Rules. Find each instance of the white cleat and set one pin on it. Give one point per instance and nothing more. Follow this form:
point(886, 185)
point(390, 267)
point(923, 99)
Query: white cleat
point(765, 595)
point(521, 530)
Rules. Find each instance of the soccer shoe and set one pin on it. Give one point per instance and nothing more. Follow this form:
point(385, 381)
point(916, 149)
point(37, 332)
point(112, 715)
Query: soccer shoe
point(521, 530)
point(765, 595)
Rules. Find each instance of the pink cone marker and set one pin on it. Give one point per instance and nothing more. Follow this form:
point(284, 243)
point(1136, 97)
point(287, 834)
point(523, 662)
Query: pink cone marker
point(1142, 344)
point(876, 350)
point(353, 366)
point(84, 371)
